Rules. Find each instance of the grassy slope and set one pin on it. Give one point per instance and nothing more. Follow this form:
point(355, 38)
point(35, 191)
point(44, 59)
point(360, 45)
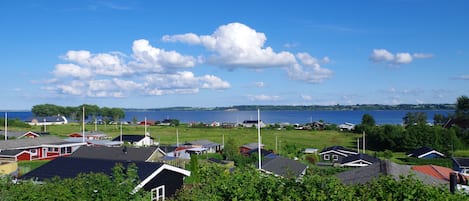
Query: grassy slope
point(167, 135)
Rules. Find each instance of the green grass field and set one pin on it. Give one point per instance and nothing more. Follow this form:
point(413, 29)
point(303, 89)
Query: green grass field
point(167, 135)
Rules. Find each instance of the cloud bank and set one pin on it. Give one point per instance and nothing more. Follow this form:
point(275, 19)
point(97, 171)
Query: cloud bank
point(154, 71)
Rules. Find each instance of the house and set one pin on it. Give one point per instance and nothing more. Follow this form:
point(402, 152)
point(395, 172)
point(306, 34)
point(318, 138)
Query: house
point(248, 147)
point(461, 165)
point(147, 122)
point(105, 143)
point(283, 167)
point(160, 179)
point(50, 120)
point(346, 126)
point(438, 172)
point(136, 140)
point(37, 148)
point(264, 153)
point(461, 123)
point(310, 151)
point(210, 146)
point(366, 174)
point(90, 135)
point(20, 134)
point(358, 160)
point(253, 123)
point(167, 122)
point(147, 154)
point(425, 152)
point(335, 154)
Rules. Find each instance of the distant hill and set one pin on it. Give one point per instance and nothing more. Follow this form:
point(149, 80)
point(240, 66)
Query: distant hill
point(308, 107)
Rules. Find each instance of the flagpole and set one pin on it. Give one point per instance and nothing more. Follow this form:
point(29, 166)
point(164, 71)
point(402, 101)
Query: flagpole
point(6, 126)
point(83, 125)
point(259, 137)
point(121, 132)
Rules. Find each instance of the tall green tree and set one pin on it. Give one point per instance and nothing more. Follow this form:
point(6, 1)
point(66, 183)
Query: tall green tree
point(462, 107)
point(368, 120)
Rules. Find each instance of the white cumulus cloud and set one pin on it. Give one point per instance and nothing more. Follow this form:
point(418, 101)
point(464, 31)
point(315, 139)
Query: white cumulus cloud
point(236, 45)
point(384, 56)
point(263, 97)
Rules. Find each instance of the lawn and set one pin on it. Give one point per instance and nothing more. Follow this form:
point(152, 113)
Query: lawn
point(27, 166)
point(270, 137)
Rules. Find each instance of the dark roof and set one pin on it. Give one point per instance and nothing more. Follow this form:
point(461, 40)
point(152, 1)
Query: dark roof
point(337, 148)
point(250, 121)
point(11, 152)
point(283, 167)
point(115, 153)
point(366, 174)
point(461, 123)
point(129, 138)
point(462, 162)
point(357, 157)
point(168, 148)
point(263, 152)
point(420, 151)
point(70, 167)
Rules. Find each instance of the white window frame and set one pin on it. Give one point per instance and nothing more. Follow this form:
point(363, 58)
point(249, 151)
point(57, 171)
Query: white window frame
point(335, 157)
point(326, 157)
point(158, 194)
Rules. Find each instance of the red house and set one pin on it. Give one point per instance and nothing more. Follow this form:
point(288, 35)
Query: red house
point(37, 148)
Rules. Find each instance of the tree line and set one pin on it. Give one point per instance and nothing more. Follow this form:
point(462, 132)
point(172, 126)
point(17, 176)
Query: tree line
point(75, 113)
point(417, 132)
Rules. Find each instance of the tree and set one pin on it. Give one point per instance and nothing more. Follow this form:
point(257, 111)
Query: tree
point(230, 150)
point(368, 120)
point(413, 118)
point(47, 110)
point(462, 107)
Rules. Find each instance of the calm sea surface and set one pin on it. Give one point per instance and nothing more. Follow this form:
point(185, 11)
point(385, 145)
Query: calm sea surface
point(336, 117)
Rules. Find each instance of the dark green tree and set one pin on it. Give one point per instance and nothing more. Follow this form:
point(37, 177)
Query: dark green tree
point(462, 107)
point(368, 120)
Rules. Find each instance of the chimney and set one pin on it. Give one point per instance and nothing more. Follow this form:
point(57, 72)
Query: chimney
point(452, 182)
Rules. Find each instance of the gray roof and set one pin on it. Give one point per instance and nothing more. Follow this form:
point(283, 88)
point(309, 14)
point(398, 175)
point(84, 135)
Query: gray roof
point(29, 142)
point(366, 174)
point(283, 167)
point(10, 152)
point(115, 153)
point(12, 133)
point(252, 145)
point(204, 143)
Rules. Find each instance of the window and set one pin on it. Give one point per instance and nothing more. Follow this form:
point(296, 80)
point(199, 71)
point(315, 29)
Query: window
point(157, 193)
point(326, 157)
point(335, 157)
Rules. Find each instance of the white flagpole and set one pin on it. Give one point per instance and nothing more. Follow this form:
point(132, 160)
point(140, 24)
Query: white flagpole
point(121, 132)
point(6, 126)
point(145, 126)
point(259, 137)
point(83, 125)
point(177, 137)
point(364, 142)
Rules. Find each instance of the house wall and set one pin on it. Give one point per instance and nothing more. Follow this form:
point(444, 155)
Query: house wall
point(24, 157)
point(172, 181)
point(433, 155)
point(331, 157)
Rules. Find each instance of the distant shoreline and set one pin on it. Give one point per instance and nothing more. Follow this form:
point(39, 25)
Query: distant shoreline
point(307, 107)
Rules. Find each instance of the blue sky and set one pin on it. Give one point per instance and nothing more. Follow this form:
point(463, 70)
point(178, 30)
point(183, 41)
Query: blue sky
point(151, 54)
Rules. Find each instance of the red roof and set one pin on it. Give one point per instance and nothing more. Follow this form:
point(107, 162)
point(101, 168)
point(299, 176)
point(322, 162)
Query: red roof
point(434, 171)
